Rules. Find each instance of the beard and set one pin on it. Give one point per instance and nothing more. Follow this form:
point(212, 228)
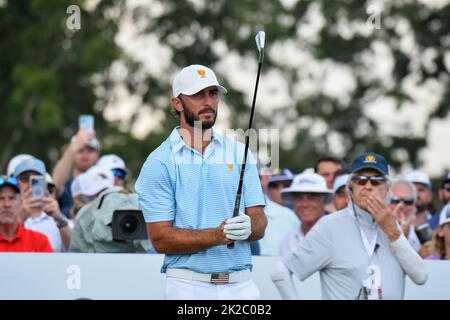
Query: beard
point(191, 118)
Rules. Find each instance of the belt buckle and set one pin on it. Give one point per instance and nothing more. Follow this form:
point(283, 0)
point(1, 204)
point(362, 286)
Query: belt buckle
point(220, 278)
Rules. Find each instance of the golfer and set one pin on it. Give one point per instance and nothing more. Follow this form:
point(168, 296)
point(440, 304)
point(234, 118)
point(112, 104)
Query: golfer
point(187, 188)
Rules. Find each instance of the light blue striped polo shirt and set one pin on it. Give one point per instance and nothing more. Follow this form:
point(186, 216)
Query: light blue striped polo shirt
point(195, 191)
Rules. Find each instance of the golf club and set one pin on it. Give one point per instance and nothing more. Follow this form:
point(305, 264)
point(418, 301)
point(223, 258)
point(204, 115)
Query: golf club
point(260, 42)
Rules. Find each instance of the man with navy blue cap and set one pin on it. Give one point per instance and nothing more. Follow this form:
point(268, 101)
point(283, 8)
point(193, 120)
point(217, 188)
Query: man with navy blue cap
point(279, 179)
point(360, 252)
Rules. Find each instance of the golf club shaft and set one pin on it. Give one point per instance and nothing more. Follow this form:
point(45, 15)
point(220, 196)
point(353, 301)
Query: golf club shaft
point(237, 202)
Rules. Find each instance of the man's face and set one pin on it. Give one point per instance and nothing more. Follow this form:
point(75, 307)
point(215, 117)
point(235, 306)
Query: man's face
point(341, 198)
point(424, 196)
point(362, 189)
point(309, 207)
point(201, 106)
point(444, 232)
point(444, 193)
point(85, 158)
point(24, 179)
point(327, 169)
point(9, 205)
point(403, 193)
point(275, 189)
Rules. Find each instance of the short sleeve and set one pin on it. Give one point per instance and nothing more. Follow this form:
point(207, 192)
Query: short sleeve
point(156, 192)
point(253, 194)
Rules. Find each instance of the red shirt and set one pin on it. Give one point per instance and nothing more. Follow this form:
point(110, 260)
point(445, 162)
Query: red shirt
point(26, 241)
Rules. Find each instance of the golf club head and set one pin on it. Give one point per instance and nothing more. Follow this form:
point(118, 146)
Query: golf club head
point(260, 43)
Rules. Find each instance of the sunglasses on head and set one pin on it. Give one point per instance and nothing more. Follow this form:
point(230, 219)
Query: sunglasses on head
point(119, 173)
point(374, 180)
point(10, 180)
point(406, 201)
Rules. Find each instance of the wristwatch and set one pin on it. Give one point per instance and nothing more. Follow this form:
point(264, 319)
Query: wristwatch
point(61, 223)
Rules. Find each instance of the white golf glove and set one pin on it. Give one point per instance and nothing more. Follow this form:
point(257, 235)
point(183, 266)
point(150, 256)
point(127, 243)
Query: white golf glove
point(238, 228)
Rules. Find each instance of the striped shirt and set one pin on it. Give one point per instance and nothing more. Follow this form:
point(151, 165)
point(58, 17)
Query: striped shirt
point(195, 191)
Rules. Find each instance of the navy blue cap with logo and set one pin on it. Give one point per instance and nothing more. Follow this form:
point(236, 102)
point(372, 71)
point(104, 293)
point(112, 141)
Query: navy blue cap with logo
point(370, 160)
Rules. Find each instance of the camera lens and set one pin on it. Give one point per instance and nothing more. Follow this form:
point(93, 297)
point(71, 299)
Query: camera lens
point(129, 224)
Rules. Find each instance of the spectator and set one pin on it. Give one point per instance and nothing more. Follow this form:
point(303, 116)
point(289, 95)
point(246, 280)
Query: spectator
point(51, 208)
point(424, 200)
point(361, 252)
point(13, 236)
point(326, 166)
point(36, 218)
point(341, 196)
point(81, 154)
point(441, 237)
point(307, 193)
point(12, 164)
point(444, 196)
point(116, 165)
point(280, 220)
point(86, 188)
point(278, 180)
point(405, 192)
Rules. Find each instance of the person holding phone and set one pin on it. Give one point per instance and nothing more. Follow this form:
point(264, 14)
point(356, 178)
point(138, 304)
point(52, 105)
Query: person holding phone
point(81, 154)
point(13, 236)
point(30, 174)
point(360, 252)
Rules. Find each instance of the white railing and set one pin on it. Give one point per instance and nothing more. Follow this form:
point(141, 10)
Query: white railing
point(137, 276)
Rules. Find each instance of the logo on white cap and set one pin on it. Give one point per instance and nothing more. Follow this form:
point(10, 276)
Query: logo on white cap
point(193, 79)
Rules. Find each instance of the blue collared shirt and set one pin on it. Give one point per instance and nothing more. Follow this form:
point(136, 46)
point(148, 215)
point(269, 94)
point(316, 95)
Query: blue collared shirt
point(195, 191)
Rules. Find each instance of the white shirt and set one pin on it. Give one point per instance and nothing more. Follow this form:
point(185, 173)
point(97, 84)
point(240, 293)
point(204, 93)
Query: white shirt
point(413, 239)
point(280, 220)
point(290, 241)
point(47, 226)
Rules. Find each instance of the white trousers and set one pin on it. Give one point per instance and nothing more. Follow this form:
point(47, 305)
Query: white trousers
point(182, 289)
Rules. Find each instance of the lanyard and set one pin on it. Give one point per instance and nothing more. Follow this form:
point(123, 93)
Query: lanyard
point(369, 247)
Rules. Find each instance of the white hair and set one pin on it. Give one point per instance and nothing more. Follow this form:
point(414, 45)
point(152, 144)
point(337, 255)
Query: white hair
point(409, 184)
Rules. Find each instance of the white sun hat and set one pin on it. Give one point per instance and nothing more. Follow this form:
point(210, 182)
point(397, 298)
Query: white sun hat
point(306, 182)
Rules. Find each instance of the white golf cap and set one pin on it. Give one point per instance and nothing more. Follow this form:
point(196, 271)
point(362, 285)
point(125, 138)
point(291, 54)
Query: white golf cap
point(193, 79)
point(306, 182)
point(92, 181)
point(418, 176)
point(444, 216)
point(49, 179)
point(340, 181)
point(112, 161)
point(12, 164)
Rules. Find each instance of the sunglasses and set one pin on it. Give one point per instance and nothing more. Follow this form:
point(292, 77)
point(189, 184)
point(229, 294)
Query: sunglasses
point(25, 177)
point(119, 173)
point(374, 180)
point(9, 180)
point(406, 201)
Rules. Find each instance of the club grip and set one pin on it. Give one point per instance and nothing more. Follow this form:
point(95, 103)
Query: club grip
point(235, 213)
